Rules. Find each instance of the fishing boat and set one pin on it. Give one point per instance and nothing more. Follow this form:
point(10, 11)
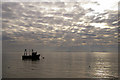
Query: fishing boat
point(33, 56)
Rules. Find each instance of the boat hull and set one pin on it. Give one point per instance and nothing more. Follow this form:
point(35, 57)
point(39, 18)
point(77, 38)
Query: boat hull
point(36, 57)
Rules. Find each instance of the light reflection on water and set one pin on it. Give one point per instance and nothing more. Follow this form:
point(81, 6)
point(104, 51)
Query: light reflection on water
point(62, 65)
point(103, 65)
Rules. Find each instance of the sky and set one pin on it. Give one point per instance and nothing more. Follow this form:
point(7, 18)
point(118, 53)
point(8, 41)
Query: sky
point(86, 25)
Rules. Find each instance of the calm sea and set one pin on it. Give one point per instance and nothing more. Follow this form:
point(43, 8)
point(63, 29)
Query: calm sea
point(62, 65)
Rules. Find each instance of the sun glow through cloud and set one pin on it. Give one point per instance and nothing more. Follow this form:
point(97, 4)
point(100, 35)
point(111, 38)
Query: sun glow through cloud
point(101, 25)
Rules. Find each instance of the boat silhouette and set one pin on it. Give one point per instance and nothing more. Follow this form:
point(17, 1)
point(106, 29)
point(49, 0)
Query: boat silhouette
point(33, 56)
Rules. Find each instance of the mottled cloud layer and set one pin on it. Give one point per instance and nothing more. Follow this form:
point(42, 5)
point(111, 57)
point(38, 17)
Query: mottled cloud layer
point(59, 24)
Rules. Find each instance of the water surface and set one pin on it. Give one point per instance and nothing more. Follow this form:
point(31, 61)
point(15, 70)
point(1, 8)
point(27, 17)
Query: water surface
point(62, 65)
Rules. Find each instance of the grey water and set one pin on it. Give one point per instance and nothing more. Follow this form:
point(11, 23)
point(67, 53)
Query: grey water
point(61, 65)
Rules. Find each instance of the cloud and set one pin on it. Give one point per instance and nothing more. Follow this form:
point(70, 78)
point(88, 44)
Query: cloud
point(58, 24)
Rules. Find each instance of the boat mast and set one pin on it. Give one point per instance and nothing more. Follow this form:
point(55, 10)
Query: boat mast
point(32, 50)
point(25, 52)
point(29, 51)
